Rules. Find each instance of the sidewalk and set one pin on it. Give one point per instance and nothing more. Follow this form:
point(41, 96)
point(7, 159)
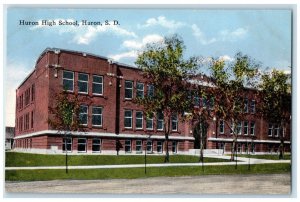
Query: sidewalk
point(241, 161)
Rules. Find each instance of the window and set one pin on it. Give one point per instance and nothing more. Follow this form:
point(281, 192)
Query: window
point(67, 141)
point(160, 121)
point(222, 127)
point(150, 90)
point(276, 130)
point(139, 90)
point(270, 130)
point(239, 128)
point(149, 122)
point(159, 146)
point(196, 101)
point(32, 119)
point(83, 80)
point(97, 85)
point(81, 146)
point(149, 146)
point(21, 123)
point(252, 128)
point(138, 146)
point(68, 81)
point(128, 89)
point(32, 92)
point(128, 119)
point(96, 147)
point(253, 148)
point(139, 120)
point(239, 148)
point(26, 127)
point(128, 146)
point(232, 127)
point(245, 127)
point(252, 106)
point(83, 115)
point(97, 116)
point(246, 105)
point(27, 97)
point(174, 122)
point(174, 147)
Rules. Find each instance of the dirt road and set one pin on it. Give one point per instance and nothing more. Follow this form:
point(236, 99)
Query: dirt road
point(209, 184)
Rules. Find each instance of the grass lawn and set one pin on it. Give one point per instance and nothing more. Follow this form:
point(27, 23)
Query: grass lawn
point(15, 159)
point(267, 156)
point(131, 173)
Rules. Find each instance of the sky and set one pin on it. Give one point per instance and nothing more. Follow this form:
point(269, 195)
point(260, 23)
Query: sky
point(264, 35)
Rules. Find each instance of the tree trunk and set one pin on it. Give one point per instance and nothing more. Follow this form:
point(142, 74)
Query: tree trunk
point(233, 149)
point(201, 143)
point(167, 131)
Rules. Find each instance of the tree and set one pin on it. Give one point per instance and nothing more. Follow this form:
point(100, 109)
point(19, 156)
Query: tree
point(275, 93)
point(231, 82)
point(64, 117)
point(167, 71)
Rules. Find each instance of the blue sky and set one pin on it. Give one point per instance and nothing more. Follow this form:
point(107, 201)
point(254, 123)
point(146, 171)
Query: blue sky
point(264, 35)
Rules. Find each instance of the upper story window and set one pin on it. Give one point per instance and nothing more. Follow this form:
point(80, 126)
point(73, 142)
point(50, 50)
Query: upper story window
point(252, 106)
point(97, 85)
point(270, 130)
point(27, 97)
point(150, 90)
point(174, 122)
point(222, 127)
point(83, 114)
point(97, 116)
point(149, 122)
point(83, 81)
point(246, 105)
point(32, 92)
point(128, 119)
point(139, 120)
point(139, 90)
point(276, 130)
point(245, 127)
point(239, 128)
point(252, 128)
point(196, 100)
point(160, 121)
point(232, 127)
point(68, 81)
point(128, 89)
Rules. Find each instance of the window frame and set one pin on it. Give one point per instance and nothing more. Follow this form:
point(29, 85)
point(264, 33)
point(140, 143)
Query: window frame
point(149, 89)
point(69, 80)
point(152, 123)
point(161, 145)
point(270, 129)
point(101, 116)
point(87, 115)
point(128, 89)
point(252, 106)
point(140, 119)
point(97, 83)
point(160, 120)
point(151, 146)
point(128, 145)
point(139, 145)
point(82, 81)
point(94, 144)
point(239, 127)
point(63, 145)
point(85, 144)
point(174, 121)
point(131, 117)
point(139, 90)
point(246, 125)
point(246, 105)
point(252, 128)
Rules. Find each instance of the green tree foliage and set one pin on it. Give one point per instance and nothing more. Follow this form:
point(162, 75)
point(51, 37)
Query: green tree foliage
point(275, 91)
point(165, 68)
point(231, 83)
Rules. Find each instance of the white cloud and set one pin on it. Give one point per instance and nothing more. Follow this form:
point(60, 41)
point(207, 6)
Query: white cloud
point(226, 58)
point(227, 35)
point(162, 21)
point(129, 54)
point(135, 44)
point(200, 36)
point(84, 34)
